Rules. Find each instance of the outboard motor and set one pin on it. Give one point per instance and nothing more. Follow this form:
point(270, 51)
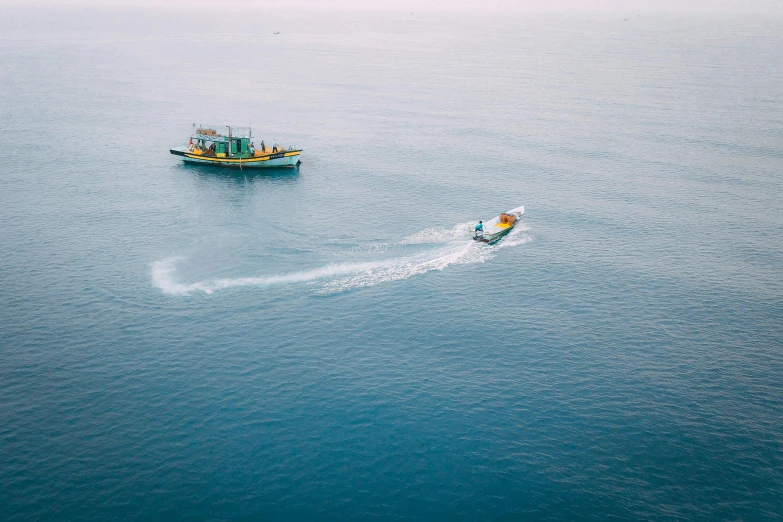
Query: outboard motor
point(479, 235)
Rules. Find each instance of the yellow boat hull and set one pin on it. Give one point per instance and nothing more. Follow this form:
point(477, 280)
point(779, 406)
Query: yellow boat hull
point(285, 158)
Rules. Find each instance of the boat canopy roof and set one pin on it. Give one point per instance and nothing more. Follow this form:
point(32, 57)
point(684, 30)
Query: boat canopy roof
point(211, 134)
point(212, 137)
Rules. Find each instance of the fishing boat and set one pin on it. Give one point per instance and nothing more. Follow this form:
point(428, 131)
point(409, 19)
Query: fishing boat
point(234, 148)
point(500, 226)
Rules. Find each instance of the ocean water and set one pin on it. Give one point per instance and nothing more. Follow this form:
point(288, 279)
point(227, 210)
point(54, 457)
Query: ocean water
point(327, 343)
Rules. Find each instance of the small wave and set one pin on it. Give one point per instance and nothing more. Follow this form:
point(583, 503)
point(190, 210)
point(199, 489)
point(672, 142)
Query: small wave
point(340, 277)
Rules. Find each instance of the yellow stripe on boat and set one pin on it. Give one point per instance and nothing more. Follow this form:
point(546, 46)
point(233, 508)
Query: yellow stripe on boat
point(253, 159)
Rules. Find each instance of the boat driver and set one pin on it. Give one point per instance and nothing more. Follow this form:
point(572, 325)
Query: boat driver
point(480, 228)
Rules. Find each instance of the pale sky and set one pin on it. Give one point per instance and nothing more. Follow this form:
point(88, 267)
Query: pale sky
point(738, 6)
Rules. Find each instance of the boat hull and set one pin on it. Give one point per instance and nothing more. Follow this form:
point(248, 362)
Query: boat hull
point(286, 158)
point(492, 238)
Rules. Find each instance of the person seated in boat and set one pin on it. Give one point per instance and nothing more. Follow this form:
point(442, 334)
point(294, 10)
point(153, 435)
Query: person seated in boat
point(479, 230)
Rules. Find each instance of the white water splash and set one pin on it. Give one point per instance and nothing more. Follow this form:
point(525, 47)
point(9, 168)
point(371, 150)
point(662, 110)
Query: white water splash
point(457, 248)
point(427, 236)
point(439, 235)
point(408, 266)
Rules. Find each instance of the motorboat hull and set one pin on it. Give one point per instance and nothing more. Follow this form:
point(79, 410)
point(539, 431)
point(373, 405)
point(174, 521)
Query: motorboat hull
point(498, 227)
point(285, 158)
point(493, 237)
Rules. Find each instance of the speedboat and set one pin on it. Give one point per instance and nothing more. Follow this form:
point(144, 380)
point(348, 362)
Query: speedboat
point(499, 226)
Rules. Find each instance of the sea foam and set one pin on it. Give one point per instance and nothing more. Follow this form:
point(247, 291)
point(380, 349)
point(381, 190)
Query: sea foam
point(451, 247)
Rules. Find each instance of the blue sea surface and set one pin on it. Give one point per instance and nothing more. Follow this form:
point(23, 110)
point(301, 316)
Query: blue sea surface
point(327, 343)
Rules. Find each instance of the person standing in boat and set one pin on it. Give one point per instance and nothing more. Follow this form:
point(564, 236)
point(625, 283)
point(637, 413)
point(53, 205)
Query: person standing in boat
point(274, 146)
point(263, 147)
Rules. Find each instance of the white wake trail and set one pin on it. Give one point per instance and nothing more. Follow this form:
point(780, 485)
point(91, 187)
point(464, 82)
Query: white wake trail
point(340, 277)
point(163, 270)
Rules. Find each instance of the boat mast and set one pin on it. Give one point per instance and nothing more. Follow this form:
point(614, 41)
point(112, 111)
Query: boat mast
point(229, 142)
